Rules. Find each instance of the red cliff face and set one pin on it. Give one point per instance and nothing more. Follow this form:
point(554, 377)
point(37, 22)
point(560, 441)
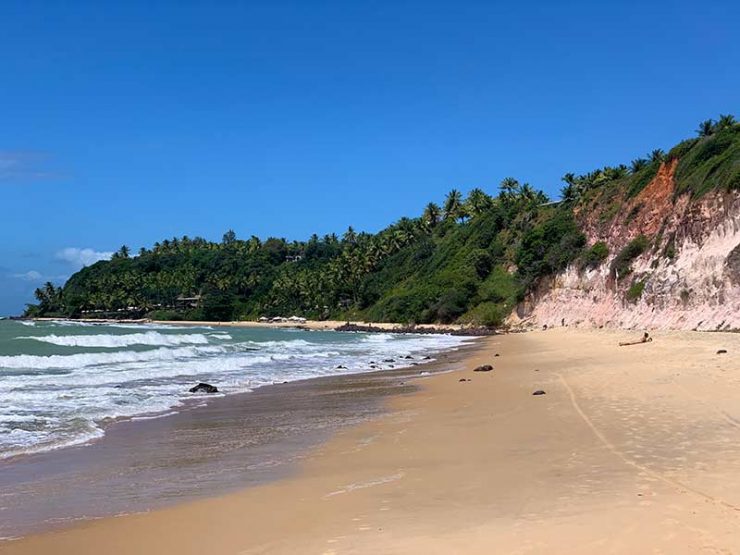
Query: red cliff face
point(688, 277)
point(645, 214)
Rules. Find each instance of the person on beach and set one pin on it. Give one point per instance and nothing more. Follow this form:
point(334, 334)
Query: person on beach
point(645, 339)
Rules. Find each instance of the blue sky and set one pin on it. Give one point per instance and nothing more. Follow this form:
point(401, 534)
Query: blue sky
point(130, 122)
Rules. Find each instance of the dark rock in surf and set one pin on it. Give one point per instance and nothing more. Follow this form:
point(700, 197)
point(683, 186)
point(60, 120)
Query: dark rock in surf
point(204, 388)
point(388, 360)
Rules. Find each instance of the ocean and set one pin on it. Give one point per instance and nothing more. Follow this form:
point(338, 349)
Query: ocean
point(62, 382)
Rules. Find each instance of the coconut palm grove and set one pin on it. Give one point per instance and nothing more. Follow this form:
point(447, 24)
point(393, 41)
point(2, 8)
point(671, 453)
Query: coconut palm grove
point(469, 260)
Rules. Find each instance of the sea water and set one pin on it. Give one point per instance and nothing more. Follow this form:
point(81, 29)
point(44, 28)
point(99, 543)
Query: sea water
point(62, 381)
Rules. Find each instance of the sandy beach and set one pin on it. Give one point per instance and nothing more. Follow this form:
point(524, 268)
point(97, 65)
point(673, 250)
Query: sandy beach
point(631, 450)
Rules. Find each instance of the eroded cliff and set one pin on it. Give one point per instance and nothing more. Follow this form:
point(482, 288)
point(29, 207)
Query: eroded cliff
point(673, 261)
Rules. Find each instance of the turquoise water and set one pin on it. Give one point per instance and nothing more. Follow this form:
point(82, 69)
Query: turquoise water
point(62, 381)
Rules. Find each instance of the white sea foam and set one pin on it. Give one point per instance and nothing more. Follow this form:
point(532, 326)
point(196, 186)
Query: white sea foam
point(33, 445)
point(64, 398)
point(41, 362)
point(114, 341)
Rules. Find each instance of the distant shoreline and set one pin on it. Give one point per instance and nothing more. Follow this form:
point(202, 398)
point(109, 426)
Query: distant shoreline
point(314, 325)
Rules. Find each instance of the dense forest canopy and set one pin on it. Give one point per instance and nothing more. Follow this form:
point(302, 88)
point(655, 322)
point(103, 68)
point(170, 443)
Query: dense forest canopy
point(469, 260)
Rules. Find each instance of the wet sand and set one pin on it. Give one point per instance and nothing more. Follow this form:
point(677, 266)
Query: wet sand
point(631, 450)
point(208, 448)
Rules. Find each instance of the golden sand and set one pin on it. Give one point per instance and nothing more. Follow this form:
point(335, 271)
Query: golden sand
point(632, 450)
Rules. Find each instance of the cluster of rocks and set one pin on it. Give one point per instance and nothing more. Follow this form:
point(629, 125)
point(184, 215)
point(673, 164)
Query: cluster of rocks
point(475, 332)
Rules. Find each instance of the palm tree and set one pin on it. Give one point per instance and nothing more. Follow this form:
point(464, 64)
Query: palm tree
point(541, 198)
point(349, 236)
point(615, 173)
point(123, 252)
point(527, 193)
point(453, 205)
point(637, 164)
point(569, 179)
point(228, 238)
point(657, 155)
point(48, 296)
point(253, 244)
point(431, 215)
point(725, 121)
point(477, 202)
point(706, 128)
point(509, 188)
point(568, 193)
point(407, 227)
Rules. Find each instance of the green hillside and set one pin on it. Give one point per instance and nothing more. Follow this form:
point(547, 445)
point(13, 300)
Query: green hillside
point(470, 260)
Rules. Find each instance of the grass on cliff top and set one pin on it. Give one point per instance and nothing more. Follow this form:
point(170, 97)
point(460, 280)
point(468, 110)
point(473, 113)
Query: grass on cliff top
point(705, 164)
point(709, 163)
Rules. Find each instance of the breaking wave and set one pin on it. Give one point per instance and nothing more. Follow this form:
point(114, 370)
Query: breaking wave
point(151, 338)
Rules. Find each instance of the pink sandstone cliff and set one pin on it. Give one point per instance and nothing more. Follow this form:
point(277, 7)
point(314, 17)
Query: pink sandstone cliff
point(691, 271)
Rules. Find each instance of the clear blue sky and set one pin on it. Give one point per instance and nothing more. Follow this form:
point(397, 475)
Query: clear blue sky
point(129, 122)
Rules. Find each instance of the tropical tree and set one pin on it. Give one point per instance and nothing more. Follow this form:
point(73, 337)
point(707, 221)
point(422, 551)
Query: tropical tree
point(349, 236)
point(477, 202)
point(637, 164)
point(706, 128)
point(725, 121)
point(569, 193)
point(528, 194)
point(432, 215)
point(657, 155)
point(229, 237)
point(49, 297)
point(569, 179)
point(123, 252)
point(509, 188)
point(453, 207)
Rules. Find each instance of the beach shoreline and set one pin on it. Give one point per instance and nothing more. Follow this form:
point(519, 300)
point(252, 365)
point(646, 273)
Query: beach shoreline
point(312, 325)
point(630, 450)
point(265, 432)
